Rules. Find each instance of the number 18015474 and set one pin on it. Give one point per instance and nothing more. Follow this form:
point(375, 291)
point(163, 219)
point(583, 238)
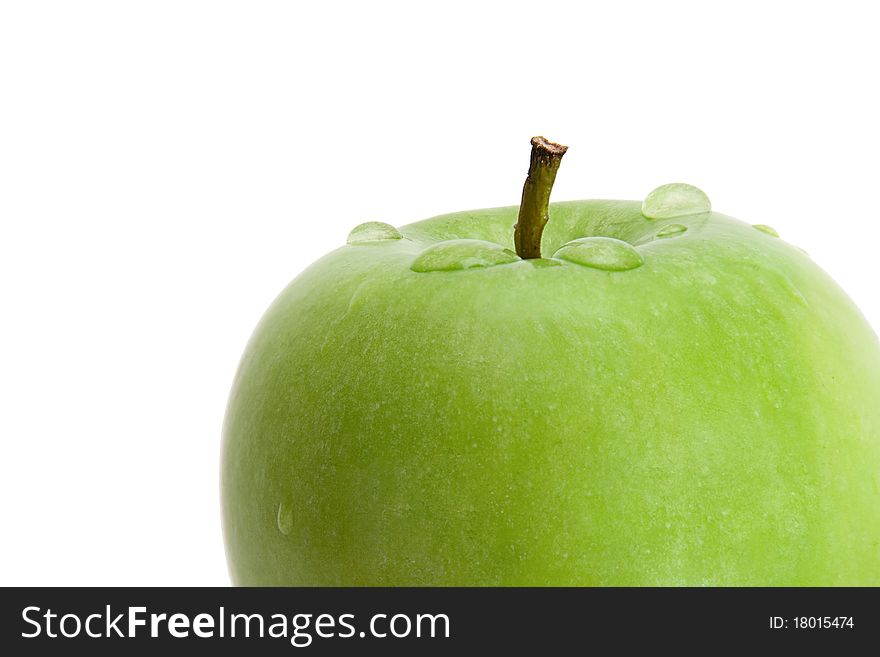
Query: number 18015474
point(812, 622)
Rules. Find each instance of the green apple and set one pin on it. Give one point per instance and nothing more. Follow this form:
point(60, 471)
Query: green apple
point(668, 397)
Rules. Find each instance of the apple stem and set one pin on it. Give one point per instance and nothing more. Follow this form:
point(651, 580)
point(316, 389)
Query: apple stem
point(534, 209)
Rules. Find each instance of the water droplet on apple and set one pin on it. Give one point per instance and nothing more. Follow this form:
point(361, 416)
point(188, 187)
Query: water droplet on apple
point(462, 254)
point(284, 518)
point(675, 200)
point(671, 230)
point(766, 229)
point(373, 231)
point(601, 253)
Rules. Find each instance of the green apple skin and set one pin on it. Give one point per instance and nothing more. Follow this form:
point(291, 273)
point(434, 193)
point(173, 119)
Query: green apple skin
point(711, 417)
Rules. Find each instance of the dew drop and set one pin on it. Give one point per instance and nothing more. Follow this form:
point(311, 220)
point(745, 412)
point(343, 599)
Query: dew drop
point(766, 229)
point(601, 253)
point(672, 230)
point(373, 231)
point(462, 254)
point(284, 518)
point(675, 200)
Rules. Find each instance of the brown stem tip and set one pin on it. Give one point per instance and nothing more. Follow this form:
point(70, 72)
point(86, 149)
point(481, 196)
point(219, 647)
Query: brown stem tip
point(548, 147)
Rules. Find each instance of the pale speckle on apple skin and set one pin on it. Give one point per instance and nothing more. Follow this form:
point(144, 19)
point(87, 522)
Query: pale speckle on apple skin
point(373, 231)
point(675, 200)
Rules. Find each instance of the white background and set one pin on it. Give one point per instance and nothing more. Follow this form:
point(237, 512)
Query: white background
point(167, 167)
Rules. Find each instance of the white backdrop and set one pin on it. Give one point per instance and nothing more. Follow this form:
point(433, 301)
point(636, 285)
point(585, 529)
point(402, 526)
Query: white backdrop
point(167, 167)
